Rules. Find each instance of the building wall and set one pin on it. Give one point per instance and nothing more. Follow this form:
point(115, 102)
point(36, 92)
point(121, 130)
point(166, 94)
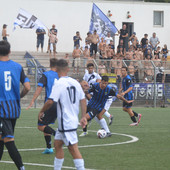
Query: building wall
point(72, 16)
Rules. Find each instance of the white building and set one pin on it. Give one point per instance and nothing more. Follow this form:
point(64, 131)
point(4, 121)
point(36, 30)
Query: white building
point(71, 16)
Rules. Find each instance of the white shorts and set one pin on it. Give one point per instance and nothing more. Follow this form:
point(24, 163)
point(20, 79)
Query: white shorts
point(67, 137)
point(77, 62)
point(107, 104)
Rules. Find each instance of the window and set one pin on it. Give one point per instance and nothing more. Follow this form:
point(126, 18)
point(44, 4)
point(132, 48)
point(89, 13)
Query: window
point(158, 18)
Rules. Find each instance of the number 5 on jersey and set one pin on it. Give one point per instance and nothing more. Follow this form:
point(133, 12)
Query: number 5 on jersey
point(7, 77)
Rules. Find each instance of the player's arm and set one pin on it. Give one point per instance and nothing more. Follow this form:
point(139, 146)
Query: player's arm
point(83, 121)
point(127, 91)
point(36, 94)
point(123, 99)
point(42, 83)
point(26, 83)
point(25, 90)
point(46, 106)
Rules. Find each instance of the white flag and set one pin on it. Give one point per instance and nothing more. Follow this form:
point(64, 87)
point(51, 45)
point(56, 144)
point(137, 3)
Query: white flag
point(26, 20)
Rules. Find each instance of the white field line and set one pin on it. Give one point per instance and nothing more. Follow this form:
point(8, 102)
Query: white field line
point(43, 165)
point(134, 139)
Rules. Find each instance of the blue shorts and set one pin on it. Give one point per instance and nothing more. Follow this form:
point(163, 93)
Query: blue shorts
point(127, 105)
point(40, 41)
point(7, 127)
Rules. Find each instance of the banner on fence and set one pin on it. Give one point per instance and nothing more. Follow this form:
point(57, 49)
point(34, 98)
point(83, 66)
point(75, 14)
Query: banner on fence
point(146, 91)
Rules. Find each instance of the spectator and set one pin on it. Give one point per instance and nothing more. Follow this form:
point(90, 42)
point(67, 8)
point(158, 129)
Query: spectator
point(157, 51)
point(164, 52)
point(108, 38)
point(118, 73)
point(133, 40)
point(77, 39)
point(146, 48)
point(53, 40)
point(101, 44)
point(54, 32)
point(88, 38)
point(66, 57)
point(113, 64)
point(131, 70)
point(95, 41)
point(148, 72)
point(4, 33)
point(139, 53)
point(124, 36)
point(40, 38)
point(86, 55)
point(143, 40)
point(102, 68)
point(120, 47)
point(76, 59)
point(154, 41)
point(112, 46)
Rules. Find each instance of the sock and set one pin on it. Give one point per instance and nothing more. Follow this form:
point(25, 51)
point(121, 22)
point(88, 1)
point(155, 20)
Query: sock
point(136, 114)
point(85, 129)
point(22, 168)
point(133, 119)
point(49, 130)
point(1, 148)
point(48, 141)
point(58, 163)
point(79, 164)
point(14, 154)
point(104, 125)
point(97, 120)
point(107, 114)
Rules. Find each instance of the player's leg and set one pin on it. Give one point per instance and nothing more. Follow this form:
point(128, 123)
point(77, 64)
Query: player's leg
point(49, 118)
point(8, 134)
point(77, 157)
point(59, 158)
point(85, 132)
point(1, 140)
point(138, 115)
point(107, 114)
point(131, 114)
point(103, 123)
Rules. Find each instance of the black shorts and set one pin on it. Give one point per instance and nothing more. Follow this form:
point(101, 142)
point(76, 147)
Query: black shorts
point(92, 112)
point(127, 105)
point(49, 116)
point(7, 127)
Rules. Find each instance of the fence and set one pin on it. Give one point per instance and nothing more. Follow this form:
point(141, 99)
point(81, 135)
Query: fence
point(151, 79)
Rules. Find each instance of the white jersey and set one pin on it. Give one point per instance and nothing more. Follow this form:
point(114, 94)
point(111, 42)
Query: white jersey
point(91, 78)
point(108, 39)
point(67, 92)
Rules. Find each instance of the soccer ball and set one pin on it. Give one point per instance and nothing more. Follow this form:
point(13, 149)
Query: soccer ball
point(101, 133)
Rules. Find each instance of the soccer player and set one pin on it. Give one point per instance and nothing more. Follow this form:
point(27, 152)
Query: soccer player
point(47, 81)
point(68, 94)
point(128, 95)
point(92, 77)
point(96, 106)
point(11, 74)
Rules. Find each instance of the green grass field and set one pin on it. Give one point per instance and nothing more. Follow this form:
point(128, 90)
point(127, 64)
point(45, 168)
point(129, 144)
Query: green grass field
point(150, 152)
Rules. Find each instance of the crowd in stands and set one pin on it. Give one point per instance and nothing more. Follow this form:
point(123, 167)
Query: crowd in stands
point(131, 52)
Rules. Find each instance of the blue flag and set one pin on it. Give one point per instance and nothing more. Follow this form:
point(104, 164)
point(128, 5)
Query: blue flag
point(101, 23)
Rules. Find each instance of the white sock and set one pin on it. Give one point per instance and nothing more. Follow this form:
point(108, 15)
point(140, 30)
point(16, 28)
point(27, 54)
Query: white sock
point(107, 114)
point(97, 120)
point(58, 163)
point(22, 168)
point(104, 125)
point(79, 164)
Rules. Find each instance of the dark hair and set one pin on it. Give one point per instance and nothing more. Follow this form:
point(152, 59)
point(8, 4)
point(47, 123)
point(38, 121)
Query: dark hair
point(53, 62)
point(62, 64)
point(90, 64)
point(125, 68)
point(4, 48)
point(4, 26)
point(105, 78)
